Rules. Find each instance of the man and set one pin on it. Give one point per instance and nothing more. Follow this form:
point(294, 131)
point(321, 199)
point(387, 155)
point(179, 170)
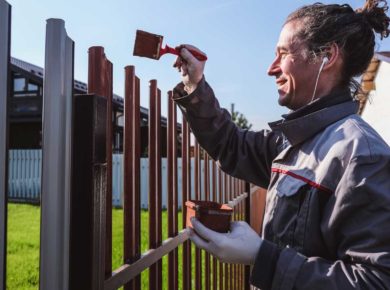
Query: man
point(327, 219)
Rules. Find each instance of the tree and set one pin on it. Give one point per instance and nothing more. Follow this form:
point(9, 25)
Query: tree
point(240, 120)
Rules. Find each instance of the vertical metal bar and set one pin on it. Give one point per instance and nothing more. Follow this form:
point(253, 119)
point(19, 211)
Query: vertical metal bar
point(5, 44)
point(231, 266)
point(56, 160)
point(226, 197)
point(206, 184)
point(109, 140)
point(128, 241)
point(132, 160)
point(152, 153)
point(175, 187)
point(220, 200)
point(186, 195)
point(198, 196)
point(96, 77)
point(159, 185)
point(100, 83)
point(214, 194)
point(136, 151)
point(171, 274)
point(234, 195)
point(88, 193)
point(172, 190)
point(248, 220)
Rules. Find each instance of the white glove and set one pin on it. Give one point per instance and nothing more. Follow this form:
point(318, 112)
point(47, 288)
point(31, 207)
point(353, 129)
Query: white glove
point(191, 69)
point(239, 246)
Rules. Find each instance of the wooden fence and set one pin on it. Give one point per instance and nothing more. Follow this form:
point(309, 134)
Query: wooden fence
point(76, 201)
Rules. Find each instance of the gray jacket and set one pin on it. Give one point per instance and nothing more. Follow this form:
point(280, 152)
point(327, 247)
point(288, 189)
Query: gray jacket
point(327, 218)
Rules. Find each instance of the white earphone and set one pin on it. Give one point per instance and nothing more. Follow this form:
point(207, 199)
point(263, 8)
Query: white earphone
point(325, 60)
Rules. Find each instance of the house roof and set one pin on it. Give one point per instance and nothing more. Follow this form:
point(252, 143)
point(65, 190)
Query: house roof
point(383, 56)
point(38, 72)
point(368, 78)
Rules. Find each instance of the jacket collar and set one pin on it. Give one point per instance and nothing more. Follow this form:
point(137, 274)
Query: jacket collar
point(302, 124)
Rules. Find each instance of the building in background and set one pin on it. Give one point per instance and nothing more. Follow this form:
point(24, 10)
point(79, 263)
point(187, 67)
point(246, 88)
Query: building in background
point(375, 98)
point(25, 110)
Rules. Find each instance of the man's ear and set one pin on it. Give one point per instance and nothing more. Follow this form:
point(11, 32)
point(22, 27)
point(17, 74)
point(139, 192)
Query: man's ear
point(333, 55)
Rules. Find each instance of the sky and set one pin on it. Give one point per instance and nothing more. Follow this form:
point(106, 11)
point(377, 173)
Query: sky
point(239, 37)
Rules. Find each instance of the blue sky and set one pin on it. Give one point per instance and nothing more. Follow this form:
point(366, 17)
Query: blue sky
point(239, 37)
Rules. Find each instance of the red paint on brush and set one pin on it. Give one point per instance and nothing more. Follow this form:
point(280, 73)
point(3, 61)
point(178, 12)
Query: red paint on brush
point(150, 45)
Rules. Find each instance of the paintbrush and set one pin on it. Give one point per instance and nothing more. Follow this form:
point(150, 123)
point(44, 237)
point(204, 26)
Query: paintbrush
point(150, 45)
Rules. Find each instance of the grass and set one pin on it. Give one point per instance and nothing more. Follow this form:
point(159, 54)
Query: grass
point(23, 245)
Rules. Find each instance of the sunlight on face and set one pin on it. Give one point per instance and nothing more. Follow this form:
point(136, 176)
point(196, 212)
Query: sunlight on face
point(295, 75)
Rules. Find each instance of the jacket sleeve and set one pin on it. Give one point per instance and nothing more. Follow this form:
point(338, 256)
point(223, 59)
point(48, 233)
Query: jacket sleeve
point(356, 225)
point(241, 153)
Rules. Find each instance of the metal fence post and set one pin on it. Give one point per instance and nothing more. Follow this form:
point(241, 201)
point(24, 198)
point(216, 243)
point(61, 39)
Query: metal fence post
point(247, 270)
point(56, 159)
point(5, 37)
point(88, 196)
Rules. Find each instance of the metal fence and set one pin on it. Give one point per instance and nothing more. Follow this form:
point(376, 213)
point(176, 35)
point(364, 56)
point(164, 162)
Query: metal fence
point(77, 181)
point(209, 184)
point(24, 180)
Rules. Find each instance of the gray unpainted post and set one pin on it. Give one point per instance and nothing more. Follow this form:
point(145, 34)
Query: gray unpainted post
point(5, 36)
point(56, 157)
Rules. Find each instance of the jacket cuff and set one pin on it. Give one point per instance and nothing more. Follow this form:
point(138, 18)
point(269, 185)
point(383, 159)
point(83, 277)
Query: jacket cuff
point(182, 98)
point(265, 265)
point(289, 264)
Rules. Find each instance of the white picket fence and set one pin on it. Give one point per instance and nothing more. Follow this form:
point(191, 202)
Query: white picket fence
point(24, 182)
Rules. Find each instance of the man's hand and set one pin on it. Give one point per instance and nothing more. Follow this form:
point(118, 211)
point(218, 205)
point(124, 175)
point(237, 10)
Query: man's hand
point(191, 69)
point(239, 246)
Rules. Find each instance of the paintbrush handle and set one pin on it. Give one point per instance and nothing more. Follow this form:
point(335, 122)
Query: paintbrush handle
point(198, 55)
point(175, 51)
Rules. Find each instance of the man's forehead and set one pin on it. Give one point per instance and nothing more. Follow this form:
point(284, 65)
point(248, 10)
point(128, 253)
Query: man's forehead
point(288, 38)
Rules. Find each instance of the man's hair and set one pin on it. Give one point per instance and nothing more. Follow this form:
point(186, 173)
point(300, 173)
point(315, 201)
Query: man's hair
point(352, 31)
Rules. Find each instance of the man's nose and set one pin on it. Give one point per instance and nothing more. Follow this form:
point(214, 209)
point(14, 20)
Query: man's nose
point(274, 68)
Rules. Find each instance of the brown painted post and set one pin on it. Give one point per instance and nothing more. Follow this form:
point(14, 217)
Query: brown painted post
point(109, 88)
point(214, 194)
point(170, 197)
point(175, 188)
point(227, 266)
point(186, 195)
point(172, 190)
point(206, 184)
point(248, 220)
point(221, 200)
point(159, 186)
point(88, 194)
point(132, 159)
point(100, 83)
point(198, 254)
point(152, 153)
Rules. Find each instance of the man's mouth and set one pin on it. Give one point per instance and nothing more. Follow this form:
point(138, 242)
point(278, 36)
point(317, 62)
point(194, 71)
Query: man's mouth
point(280, 82)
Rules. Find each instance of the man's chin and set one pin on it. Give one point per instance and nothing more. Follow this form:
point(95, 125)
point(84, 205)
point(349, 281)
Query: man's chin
point(283, 98)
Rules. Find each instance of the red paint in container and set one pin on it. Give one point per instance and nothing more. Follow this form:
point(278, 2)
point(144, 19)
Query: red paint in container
point(211, 214)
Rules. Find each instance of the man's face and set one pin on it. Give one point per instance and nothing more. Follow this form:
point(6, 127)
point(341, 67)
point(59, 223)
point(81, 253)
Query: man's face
point(295, 74)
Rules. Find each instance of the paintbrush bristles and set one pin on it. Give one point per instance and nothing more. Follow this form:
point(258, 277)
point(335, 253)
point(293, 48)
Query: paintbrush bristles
point(147, 44)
